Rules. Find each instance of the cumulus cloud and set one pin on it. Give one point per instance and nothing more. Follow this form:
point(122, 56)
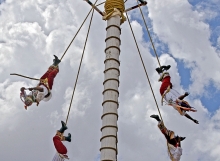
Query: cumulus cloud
point(33, 31)
point(188, 39)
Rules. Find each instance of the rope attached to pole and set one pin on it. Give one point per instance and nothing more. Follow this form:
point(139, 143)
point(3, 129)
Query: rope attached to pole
point(104, 2)
point(64, 51)
point(80, 65)
point(146, 73)
point(156, 57)
point(144, 66)
point(76, 33)
point(100, 4)
point(155, 52)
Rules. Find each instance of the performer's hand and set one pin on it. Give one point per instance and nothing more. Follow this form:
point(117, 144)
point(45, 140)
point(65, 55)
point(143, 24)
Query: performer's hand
point(30, 89)
point(22, 89)
point(37, 103)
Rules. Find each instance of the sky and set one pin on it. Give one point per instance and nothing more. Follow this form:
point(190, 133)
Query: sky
point(186, 36)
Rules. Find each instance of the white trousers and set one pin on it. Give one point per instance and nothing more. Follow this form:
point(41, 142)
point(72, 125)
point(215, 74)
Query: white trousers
point(57, 158)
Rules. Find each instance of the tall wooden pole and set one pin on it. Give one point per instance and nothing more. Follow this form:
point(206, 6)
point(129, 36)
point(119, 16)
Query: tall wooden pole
point(110, 103)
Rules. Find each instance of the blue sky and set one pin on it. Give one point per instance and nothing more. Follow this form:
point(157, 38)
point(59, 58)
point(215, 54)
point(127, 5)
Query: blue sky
point(32, 31)
point(210, 100)
point(213, 22)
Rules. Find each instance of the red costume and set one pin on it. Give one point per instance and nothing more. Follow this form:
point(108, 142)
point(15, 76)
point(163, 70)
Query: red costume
point(60, 147)
point(48, 78)
point(165, 84)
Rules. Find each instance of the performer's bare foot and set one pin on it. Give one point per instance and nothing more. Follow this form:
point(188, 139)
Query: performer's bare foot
point(193, 110)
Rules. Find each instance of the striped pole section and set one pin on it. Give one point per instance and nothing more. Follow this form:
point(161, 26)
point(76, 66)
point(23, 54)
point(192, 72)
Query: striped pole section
point(110, 94)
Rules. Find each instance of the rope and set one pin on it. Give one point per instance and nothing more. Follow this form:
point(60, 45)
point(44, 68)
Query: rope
point(155, 52)
point(65, 50)
point(145, 71)
point(111, 5)
point(80, 64)
point(77, 33)
point(143, 65)
point(100, 4)
point(104, 2)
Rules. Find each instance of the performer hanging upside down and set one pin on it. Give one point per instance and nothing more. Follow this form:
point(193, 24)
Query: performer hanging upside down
point(43, 90)
point(174, 145)
point(171, 96)
point(57, 140)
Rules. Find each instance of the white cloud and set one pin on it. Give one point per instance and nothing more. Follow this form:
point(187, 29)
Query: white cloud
point(35, 30)
point(80, 102)
point(187, 37)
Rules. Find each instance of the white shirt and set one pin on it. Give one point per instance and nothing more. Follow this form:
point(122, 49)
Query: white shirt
point(176, 152)
point(40, 95)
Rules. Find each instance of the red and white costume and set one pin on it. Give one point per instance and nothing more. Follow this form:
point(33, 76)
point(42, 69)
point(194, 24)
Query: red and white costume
point(171, 97)
point(61, 149)
point(48, 78)
point(46, 82)
point(57, 157)
point(175, 151)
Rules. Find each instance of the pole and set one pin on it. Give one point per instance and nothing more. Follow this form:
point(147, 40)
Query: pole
point(110, 103)
point(110, 94)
